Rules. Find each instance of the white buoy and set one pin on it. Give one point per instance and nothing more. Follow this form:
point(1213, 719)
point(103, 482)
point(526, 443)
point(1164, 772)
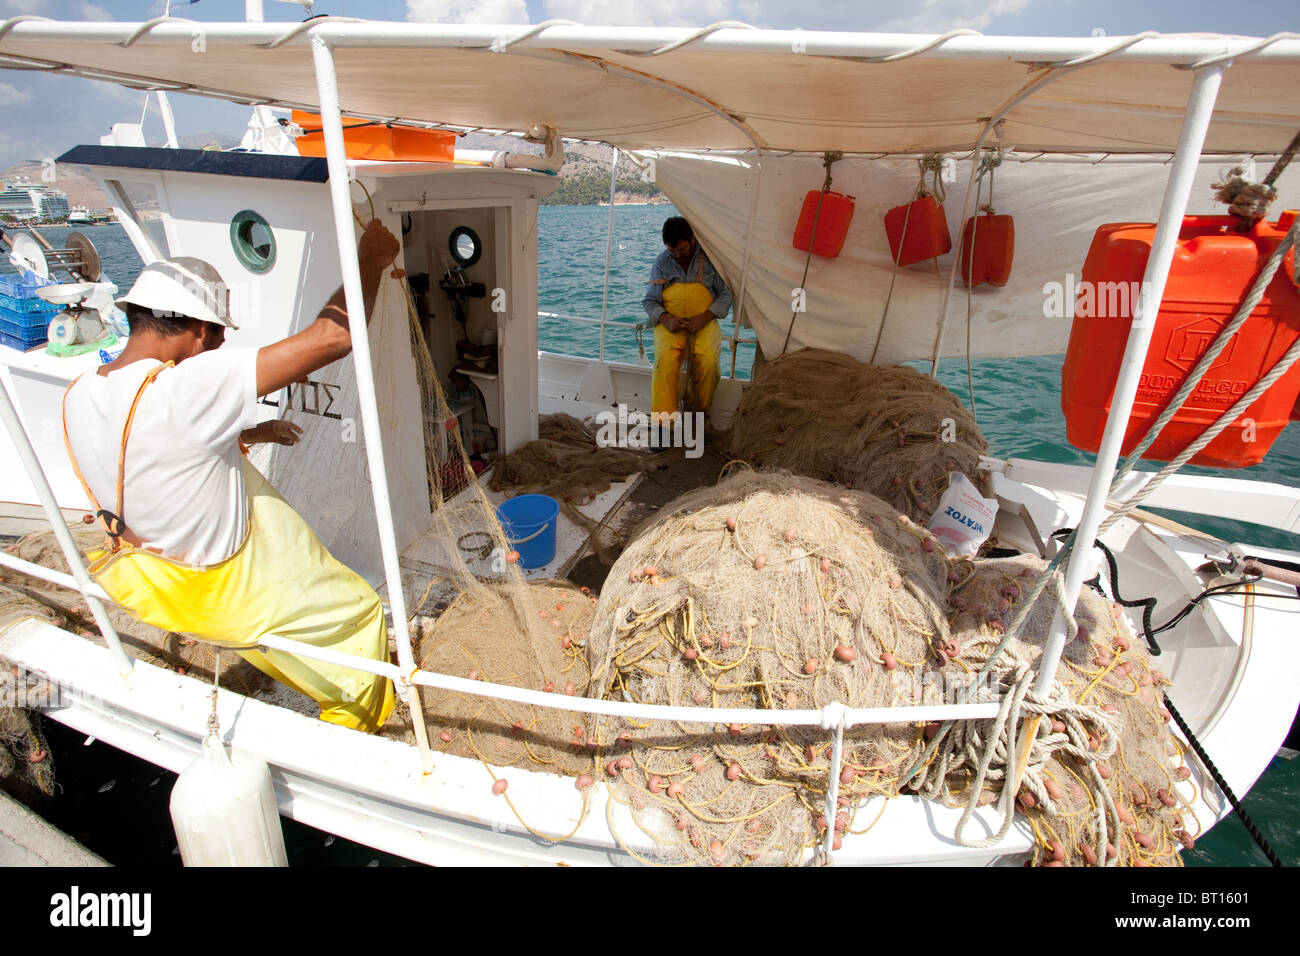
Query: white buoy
point(223, 810)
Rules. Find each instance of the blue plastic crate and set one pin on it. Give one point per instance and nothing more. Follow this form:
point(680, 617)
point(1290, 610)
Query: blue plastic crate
point(22, 323)
point(21, 343)
point(22, 285)
point(34, 304)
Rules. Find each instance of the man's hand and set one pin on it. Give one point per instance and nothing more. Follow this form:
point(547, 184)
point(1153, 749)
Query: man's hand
point(670, 322)
point(276, 431)
point(699, 321)
point(378, 247)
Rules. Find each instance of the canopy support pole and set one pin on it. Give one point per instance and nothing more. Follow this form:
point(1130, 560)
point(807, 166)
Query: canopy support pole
point(27, 455)
point(739, 307)
point(341, 202)
point(1080, 564)
point(609, 242)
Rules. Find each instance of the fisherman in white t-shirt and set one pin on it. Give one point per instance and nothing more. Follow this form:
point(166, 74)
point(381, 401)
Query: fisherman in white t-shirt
point(197, 540)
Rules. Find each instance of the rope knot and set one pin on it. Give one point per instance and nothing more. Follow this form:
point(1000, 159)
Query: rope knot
point(1243, 198)
point(834, 715)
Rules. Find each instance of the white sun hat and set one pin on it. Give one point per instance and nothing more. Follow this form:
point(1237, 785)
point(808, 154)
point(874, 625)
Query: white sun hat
point(182, 286)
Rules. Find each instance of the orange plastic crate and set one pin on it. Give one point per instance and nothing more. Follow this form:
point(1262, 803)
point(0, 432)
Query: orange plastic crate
point(1213, 268)
point(379, 142)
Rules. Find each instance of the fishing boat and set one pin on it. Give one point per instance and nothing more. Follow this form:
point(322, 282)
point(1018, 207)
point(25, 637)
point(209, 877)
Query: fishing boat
point(736, 125)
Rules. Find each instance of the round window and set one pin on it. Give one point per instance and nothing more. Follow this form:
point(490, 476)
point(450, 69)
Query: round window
point(465, 245)
point(253, 241)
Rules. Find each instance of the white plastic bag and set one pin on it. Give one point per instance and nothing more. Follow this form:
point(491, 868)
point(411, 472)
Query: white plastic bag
point(964, 518)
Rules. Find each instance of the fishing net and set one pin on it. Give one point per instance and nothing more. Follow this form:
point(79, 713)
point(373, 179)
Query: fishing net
point(24, 754)
point(464, 641)
point(887, 429)
point(474, 614)
point(773, 591)
point(1104, 771)
point(777, 591)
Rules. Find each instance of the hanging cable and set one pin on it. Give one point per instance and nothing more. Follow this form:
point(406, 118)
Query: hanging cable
point(932, 163)
point(829, 159)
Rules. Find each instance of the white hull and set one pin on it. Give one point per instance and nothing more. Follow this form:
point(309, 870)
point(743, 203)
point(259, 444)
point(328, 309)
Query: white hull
point(1237, 691)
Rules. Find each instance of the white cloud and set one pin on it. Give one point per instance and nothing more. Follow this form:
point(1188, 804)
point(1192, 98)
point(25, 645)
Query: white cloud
point(467, 11)
point(659, 13)
point(940, 16)
point(9, 8)
point(93, 11)
point(10, 95)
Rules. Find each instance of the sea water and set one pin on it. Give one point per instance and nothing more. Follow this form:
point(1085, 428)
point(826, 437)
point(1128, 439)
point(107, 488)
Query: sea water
point(1019, 411)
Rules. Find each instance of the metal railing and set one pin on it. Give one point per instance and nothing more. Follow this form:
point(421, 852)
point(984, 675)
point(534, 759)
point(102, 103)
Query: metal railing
point(734, 340)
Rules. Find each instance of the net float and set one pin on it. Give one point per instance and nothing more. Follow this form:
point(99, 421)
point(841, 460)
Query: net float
point(499, 786)
point(584, 781)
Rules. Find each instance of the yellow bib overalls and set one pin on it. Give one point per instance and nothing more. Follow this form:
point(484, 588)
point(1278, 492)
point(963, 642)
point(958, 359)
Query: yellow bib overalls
point(281, 581)
point(682, 300)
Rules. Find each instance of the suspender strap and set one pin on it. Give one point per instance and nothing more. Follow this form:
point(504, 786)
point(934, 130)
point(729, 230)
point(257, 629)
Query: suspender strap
point(114, 524)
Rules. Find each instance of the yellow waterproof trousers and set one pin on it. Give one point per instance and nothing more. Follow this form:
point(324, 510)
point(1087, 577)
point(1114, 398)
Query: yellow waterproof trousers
point(682, 300)
point(281, 581)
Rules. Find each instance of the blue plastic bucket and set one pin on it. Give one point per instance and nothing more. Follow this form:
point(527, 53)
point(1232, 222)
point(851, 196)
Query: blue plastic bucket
point(529, 522)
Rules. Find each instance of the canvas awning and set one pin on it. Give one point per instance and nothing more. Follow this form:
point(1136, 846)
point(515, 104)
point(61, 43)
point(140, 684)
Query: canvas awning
point(727, 89)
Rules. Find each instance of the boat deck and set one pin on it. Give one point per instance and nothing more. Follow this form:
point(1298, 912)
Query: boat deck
point(678, 475)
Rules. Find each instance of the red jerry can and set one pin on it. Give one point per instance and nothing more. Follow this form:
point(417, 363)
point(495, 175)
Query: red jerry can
point(987, 248)
point(1213, 268)
point(917, 231)
point(832, 223)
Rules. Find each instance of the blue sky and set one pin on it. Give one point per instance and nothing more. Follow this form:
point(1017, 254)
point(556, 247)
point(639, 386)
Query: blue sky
point(47, 114)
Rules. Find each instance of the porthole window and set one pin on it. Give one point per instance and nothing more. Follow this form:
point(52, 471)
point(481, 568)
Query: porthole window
point(465, 245)
point(253, 241)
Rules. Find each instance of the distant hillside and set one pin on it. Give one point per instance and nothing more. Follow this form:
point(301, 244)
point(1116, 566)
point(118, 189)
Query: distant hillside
point(76, 181)
point(585, 172)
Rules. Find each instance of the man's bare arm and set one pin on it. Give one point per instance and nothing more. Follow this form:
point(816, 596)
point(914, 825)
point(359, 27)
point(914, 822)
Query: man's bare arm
point(329, 337)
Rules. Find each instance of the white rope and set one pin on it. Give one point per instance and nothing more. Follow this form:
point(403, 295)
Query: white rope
point(303, 27)
point(1245, 51)
point(149, 25)
point(699, 34)
point(500, 44)
point(834, 716)
point(12, 22)
point(1109, 51)
point(915, 51)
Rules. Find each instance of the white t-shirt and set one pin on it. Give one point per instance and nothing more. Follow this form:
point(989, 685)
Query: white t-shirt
point(184, 490)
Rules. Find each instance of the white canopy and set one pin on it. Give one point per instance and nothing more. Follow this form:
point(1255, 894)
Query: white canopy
point(721, 88)
point(1057, 209)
